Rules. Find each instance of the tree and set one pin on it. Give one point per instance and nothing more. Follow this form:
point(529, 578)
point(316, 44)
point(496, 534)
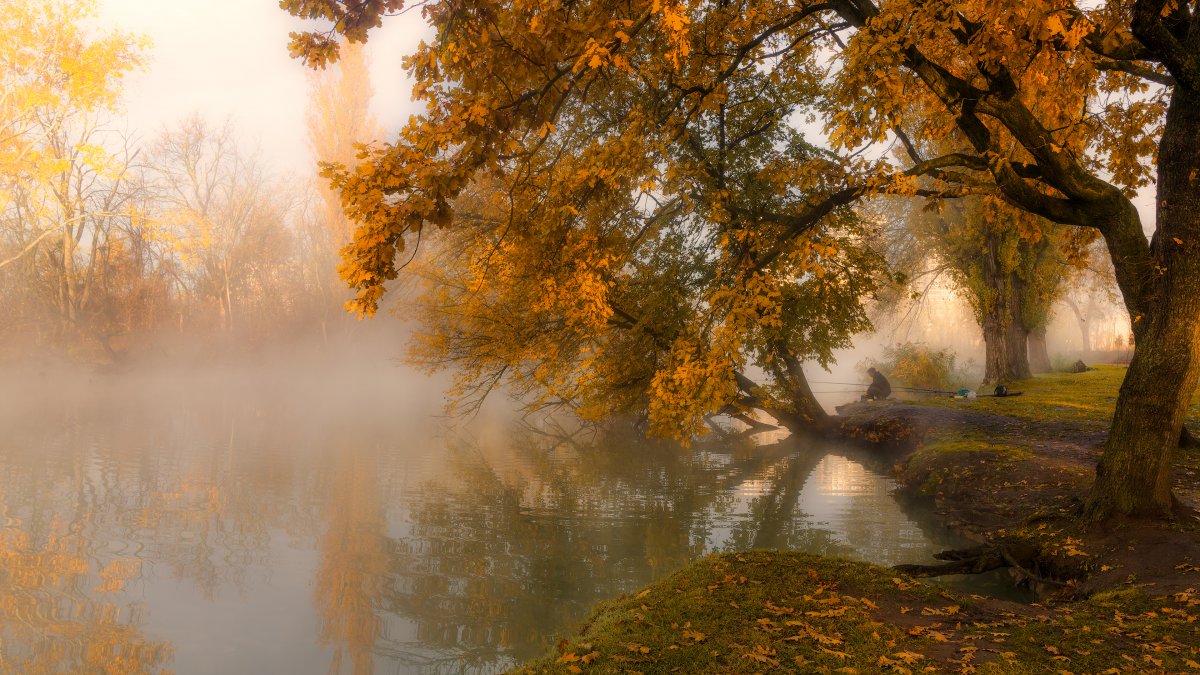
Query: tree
point(1010, 266)
point(339, 119)
point(215, 207)
point(1092, 295)
point(64, 176)
point(1062, 106)
point(582, 289)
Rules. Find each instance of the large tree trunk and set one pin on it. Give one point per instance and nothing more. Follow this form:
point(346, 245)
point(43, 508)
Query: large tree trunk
point(1005, 340)
point(1039, 354)
point(1017, 345)
point(1134, 474)
point(995, 350)
point(801, 412)
point(803, 401)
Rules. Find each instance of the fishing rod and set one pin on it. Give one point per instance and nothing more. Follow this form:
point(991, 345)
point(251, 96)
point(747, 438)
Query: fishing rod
point(1001, 392)
point(863, 384)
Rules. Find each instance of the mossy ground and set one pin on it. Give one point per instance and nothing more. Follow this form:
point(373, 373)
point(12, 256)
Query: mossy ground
point(1014, 467)
point(777, 611)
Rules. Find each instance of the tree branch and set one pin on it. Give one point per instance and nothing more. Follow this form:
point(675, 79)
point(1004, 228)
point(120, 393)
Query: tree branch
point(1180, 59)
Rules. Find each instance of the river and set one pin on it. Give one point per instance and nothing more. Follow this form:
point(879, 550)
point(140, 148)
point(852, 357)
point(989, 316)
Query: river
point(316, 520)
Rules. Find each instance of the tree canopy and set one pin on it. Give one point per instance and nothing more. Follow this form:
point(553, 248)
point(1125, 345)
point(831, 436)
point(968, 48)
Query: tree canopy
point(1062, 108)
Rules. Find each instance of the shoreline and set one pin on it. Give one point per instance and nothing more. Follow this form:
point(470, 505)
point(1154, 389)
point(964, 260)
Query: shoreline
point(1009, 473)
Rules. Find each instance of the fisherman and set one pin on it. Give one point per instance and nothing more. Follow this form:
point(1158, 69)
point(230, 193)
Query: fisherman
point(880, 388)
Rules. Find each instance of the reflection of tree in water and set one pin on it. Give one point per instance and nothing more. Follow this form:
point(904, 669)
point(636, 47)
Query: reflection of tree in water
point(774, 519)
point(355, 560)
point(502, 555)
point(875, 523)
point(49, 620)
point(89, 510)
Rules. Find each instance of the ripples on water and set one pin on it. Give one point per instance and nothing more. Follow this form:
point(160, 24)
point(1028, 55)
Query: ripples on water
point(324, 521)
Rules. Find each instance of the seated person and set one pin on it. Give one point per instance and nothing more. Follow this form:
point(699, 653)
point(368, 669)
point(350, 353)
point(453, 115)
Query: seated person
point(880, 388)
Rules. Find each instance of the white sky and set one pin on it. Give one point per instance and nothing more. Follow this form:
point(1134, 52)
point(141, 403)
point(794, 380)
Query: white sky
point(229, 58)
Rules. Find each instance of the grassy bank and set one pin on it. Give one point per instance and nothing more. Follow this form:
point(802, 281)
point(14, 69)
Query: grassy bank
point(769, 611)
point(1068, 398)
point(998, 468)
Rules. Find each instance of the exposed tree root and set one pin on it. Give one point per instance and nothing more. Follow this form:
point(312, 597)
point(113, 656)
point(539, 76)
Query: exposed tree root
point(1020, 556)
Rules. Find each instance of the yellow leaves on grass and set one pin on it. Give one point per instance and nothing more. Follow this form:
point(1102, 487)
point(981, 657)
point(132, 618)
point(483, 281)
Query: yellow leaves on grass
point(1071, 547)
point(762, 654)
point(637, 648)
point(810, 633)
point(571, 658)
point(899, 660)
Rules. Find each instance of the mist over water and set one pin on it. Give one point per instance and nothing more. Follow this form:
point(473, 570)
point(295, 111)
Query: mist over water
point(309, 509)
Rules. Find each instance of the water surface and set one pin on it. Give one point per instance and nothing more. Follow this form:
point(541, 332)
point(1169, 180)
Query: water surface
point(309, 520)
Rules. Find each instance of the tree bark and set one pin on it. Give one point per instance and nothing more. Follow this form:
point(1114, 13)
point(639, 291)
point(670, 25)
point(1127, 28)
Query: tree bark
point(1017, 345)
point(1134, 474)
point(803, 399)
point(1039, 354)
point(801, 412)
point(1005, 340)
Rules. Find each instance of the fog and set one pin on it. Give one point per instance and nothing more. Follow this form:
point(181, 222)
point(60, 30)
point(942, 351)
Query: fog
point(305, 506)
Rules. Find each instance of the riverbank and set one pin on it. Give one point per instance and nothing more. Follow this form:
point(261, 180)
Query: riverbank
point(781, 611)
point(1011, 472)
point(1016, 470)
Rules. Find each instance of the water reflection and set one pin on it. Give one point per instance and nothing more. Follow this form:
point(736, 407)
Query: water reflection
point(213, 528)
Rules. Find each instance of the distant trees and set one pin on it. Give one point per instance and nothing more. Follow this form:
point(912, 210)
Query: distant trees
point(1009, 265)
point(104, 238)
point(224, 220)
point(65, 177)
point(339, 122)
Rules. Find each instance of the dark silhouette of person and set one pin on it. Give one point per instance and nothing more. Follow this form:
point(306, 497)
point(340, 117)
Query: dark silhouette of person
point(880, 388)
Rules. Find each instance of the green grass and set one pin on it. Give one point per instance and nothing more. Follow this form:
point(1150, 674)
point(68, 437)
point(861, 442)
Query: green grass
point(1088, 397)
point(768, 611)
point(972, 442)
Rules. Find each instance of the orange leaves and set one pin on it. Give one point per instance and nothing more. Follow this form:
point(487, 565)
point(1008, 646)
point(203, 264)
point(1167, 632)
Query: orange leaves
point(762, 654)
point(899, 660)
point(673, 21)
point(944, 611)
point(571, 658)
point(637, 648)
point(810, 633)
point(1071, 547)
point(594, 56)
point(695, 380)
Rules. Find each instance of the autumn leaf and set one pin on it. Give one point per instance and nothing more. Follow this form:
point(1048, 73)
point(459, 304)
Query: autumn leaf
point(762, 654)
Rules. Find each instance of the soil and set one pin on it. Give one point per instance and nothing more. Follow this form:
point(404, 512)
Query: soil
point(996, 478)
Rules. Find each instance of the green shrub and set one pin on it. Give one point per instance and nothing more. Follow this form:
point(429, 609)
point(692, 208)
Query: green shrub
point(912, 364)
